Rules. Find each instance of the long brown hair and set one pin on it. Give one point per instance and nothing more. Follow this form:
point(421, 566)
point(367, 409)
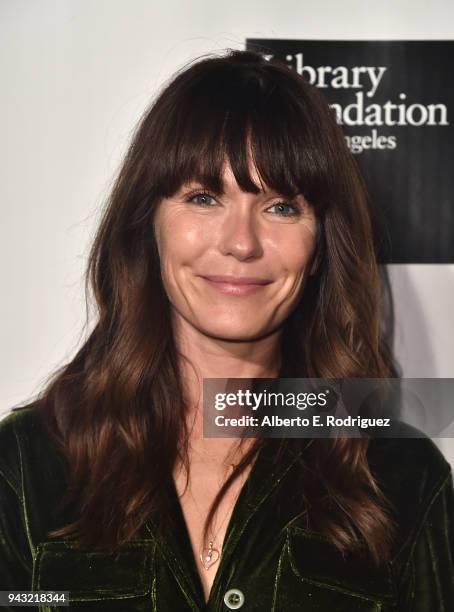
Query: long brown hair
point(117, 410)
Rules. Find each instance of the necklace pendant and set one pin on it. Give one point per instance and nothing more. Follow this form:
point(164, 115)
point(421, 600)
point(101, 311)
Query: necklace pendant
point(209, 556)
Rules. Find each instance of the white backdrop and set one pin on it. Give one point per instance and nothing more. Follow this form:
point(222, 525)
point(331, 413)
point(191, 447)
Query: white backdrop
point(76, 75)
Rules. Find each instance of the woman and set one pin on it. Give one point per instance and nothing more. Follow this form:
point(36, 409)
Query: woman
point(237, 243)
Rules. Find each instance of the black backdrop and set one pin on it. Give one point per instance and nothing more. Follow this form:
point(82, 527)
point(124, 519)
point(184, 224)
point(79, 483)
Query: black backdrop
point(403, 143)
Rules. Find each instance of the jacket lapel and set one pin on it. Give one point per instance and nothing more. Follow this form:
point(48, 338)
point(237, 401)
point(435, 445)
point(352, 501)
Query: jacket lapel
point(172, 534)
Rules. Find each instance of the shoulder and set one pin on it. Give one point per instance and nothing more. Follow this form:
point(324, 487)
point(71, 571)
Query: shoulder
point(413, 474)
point(22, 416)
point(20, 431)
point(411, 457)
point(25, 419)
point(412, 462)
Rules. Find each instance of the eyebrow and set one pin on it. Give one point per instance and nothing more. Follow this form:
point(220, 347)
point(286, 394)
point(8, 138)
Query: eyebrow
point(196, 183)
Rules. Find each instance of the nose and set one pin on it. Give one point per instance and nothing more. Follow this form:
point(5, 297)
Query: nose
point(239, 235)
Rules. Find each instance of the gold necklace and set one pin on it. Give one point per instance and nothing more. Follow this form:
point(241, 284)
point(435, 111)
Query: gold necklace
point(209, 555)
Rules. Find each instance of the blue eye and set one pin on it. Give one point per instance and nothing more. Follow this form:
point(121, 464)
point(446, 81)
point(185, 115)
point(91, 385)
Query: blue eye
point(286, 209)
point(283, 209)
point(203, 196)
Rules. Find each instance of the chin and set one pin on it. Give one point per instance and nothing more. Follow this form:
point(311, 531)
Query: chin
point(240, 332)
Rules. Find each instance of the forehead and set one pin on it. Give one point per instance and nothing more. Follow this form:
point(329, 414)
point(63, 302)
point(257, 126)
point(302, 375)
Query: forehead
point(229, 182)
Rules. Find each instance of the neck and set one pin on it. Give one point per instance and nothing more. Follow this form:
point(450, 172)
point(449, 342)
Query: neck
point(205, 357)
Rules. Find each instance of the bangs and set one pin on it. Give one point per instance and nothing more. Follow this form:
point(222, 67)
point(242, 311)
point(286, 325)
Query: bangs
point(239, 117)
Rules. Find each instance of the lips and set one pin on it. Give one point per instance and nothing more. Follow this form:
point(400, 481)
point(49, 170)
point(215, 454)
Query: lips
point(238, 280)
point(236, 285)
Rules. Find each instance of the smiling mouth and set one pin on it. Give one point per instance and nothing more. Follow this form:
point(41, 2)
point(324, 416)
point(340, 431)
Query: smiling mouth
point(236, 285)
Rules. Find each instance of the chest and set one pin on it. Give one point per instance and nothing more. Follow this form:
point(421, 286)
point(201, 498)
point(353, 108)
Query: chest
point(293, 572)
point(195, 501)
point(267, 556)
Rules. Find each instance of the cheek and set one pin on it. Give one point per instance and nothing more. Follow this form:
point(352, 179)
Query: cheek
point(295, 250)
point(180, 242)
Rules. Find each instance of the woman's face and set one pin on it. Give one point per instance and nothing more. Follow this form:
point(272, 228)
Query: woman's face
point(233, 265)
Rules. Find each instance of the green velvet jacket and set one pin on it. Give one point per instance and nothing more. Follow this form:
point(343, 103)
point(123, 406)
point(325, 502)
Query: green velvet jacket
point(270, 562)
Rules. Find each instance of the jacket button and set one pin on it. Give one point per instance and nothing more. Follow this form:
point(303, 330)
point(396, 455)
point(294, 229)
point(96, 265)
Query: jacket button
point(234, 599)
